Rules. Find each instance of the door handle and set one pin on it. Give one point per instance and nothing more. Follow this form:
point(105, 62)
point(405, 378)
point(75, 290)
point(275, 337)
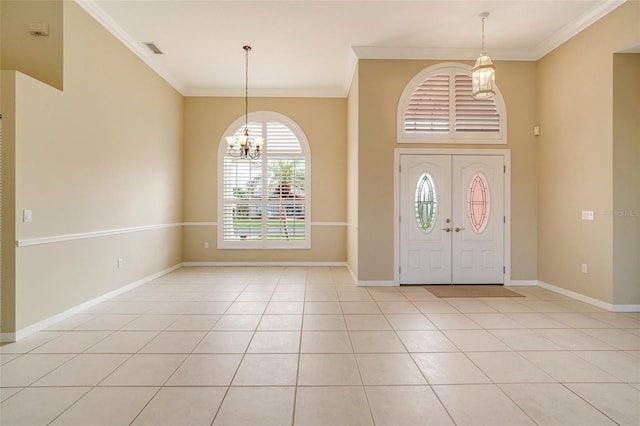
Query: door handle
point(446, 229)
point(459, 229)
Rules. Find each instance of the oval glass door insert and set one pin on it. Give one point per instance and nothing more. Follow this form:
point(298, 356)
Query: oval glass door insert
point(426, 202)
point(478, 203)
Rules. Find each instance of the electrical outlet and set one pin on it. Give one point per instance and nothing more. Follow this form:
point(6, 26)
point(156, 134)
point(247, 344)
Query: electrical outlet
point(206, 244)
point(120, 263)
point(584, 268)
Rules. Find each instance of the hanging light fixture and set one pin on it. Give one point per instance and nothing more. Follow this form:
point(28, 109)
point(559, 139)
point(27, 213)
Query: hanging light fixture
point(245, 146)
point(483, 75)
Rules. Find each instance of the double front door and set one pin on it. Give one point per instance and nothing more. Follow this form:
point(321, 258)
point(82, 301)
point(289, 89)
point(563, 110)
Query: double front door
point(451, 219)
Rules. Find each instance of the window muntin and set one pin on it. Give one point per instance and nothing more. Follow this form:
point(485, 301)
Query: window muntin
point(264, 202)
point(478, 203)
point(437, 107)
point(426, 203)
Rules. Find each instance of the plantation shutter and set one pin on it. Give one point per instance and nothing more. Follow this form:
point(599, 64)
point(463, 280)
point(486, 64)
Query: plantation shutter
point(264, 200)
point(437, 107)
point(242, 187)
point(473, 115)
point(428, 109)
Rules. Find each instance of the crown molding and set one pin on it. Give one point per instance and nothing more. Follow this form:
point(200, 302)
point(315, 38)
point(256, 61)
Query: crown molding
point(265, 93)
point(92, 8)
point(594, 14)
point(440, 54)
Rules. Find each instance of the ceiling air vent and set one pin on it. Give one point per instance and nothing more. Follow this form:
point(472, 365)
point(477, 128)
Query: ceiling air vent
point(153, 48)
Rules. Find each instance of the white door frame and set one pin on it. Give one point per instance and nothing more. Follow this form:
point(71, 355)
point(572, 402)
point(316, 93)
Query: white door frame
point(505, 153)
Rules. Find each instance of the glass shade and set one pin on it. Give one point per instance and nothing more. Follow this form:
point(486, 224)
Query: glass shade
point(483, 78)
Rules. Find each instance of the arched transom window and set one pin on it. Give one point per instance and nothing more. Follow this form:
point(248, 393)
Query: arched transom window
point(436, 107)
point(265, 203)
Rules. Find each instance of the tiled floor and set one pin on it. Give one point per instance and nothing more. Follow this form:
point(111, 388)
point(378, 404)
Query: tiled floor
point(304, 346)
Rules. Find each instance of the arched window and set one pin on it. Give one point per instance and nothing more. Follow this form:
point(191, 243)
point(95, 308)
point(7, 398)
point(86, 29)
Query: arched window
point(265, 203)
point(436, 107)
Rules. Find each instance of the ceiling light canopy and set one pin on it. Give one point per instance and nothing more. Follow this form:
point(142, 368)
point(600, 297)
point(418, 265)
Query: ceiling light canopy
point(245, 146)
point(483, 75)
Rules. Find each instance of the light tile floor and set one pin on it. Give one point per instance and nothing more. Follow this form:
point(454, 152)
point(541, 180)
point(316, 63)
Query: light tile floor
point(305, 346)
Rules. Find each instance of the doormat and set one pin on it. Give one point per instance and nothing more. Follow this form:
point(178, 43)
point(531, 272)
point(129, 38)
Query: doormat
point(444, 291)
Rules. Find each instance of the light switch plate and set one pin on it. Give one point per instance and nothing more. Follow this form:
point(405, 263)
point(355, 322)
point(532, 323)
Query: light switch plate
point(587, 214)
point(26, 215)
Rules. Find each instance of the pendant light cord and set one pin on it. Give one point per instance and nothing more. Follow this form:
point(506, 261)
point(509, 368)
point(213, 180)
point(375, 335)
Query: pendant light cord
point(246, 87)
point(483, 18)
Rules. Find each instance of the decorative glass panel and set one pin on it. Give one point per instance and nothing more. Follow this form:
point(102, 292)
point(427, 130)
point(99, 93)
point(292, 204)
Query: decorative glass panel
point(478, 201)
point(426, 202)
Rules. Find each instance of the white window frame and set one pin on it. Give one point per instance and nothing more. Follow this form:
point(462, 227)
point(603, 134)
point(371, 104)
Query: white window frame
point(452, 137)
point(265, 243)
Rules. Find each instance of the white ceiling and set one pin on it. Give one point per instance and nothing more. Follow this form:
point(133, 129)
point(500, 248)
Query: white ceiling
point(310, 47)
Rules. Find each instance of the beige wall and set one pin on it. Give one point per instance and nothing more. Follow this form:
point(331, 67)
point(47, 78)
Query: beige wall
point(104, 154)
point(39, 57)
point(7, 278)
point(381, 83)
point(626, 178)
point(575, 155)
point(352, 176)
point(323, 121)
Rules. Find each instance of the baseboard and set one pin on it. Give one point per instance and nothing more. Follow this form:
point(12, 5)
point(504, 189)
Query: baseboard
point(522, 283)
point(586, 299)
point(626, 308)
point(41, 325)
point(389, 283)
point(264, 264)
point(7, 337)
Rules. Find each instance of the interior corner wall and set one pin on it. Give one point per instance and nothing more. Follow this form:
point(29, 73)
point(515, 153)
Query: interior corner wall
point(352, 176)
point(41, 57)
point(99, 165)
point(626, 179)
point(324, 123)
point(381, 83)
point(7, 273)
point(575, 155)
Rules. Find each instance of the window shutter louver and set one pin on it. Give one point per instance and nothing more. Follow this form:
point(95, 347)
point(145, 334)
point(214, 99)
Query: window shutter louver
point(473, 115)
point(428, 109)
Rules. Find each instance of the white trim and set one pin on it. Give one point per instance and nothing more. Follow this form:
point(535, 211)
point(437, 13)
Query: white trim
point(589, 300)
point(94, 10)
point(388, 283)
point(93, 234)
point(522, 283)
point(83, 235)
point(506, 153)
point(302, 263)
point(330, 92)
point(440, 54)
point(601, 9)
point(626, 308)
point(40, 325)
point(7, 337)
point(312, 224)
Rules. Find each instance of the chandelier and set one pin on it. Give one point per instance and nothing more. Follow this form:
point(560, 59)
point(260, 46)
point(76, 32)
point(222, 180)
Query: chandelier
point(483, 75)
point(245, 146)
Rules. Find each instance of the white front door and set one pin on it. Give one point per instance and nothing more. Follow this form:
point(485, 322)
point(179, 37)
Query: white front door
point(451, 219)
